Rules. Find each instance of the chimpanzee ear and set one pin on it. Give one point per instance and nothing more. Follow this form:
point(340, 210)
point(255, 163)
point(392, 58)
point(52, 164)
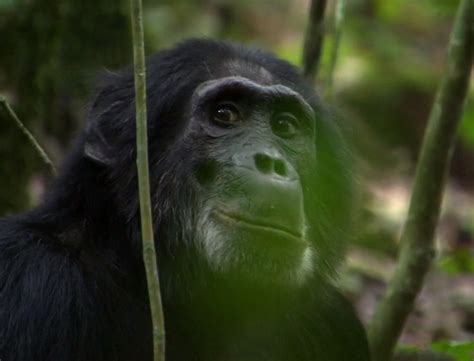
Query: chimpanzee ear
point(97, 145)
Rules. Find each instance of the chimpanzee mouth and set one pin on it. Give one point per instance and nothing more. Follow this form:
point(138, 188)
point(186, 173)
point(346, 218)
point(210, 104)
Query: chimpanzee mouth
point(259, 225)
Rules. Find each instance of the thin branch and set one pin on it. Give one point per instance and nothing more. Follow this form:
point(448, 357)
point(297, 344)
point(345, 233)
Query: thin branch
point(9, 111)
point(417, 250)
point(313, 39)
point(149, 253)
point(336, 40)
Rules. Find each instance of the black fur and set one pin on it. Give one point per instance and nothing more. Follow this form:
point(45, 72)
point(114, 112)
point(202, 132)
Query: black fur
point(72, 283)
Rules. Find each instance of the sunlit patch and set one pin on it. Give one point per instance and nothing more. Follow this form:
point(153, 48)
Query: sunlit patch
point(306, 267)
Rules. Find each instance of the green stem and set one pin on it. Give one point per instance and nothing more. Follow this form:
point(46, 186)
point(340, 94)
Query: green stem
point(417, 249)
point(339, 20)
point(9, 111)
point(149, 253)
point(313, 39)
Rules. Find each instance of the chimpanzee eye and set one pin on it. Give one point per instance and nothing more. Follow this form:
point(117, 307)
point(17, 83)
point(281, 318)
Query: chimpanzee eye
point(284, 125)
point(226, 114)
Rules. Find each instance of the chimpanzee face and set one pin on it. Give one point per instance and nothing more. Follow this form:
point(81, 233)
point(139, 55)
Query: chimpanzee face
point(258, 141)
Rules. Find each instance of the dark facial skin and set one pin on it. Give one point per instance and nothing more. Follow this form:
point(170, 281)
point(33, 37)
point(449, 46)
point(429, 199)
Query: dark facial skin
point(251, 195)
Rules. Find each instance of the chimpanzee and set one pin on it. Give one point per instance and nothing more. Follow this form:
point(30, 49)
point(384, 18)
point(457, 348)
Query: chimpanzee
point(251, 196)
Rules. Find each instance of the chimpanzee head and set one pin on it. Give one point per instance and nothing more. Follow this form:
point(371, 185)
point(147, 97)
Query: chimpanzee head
point(249, 174)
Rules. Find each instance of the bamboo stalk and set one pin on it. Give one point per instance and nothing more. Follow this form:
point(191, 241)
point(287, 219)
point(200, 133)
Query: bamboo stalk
point(336, 40)
point(417, 249)
point(313, 41)
point(149, 253)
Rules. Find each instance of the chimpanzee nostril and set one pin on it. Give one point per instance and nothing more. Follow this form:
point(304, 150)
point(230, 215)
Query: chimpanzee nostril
point(267, 164)
point(280, 168)
point(263, 163)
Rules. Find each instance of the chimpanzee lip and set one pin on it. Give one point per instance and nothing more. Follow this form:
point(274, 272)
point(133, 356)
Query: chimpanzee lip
point(259, 224)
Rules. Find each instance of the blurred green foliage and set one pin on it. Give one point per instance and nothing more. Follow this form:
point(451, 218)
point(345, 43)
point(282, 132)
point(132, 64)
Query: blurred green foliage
point(467, 125)
point(459, 261)
point(460, 351)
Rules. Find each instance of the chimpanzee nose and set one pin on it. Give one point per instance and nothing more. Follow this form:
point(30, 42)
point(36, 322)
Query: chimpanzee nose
point(267, 189)
point(267, 164)
point(271, 163)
